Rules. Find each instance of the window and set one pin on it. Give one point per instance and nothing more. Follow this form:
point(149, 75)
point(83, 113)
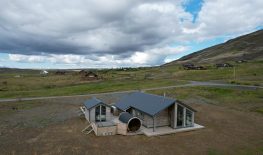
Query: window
point(103, 113)
point(100, 113)
point(188, 118)
point(97, 113)
point(180, 115)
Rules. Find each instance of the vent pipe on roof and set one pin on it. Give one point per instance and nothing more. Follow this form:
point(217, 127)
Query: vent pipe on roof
point(163, 97)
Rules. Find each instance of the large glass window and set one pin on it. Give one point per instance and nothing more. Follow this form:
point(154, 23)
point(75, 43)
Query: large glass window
point(180, 115)
point(189, 118)
point(103, 113)
point(100, 113)
point(97, 113)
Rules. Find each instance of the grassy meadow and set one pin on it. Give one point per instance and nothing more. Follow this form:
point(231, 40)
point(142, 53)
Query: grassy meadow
point(244, 100)
point(30, 84)
point(225, 112)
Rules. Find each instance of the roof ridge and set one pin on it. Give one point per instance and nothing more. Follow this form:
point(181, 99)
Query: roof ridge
point(94, 98)
point(156, 95)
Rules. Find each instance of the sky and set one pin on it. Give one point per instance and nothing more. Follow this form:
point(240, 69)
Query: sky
point(112, 33)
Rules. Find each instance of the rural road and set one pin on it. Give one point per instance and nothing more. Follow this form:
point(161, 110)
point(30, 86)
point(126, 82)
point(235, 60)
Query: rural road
point(191, 84)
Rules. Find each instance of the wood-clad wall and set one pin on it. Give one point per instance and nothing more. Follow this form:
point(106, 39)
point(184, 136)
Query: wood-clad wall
point(122, 128)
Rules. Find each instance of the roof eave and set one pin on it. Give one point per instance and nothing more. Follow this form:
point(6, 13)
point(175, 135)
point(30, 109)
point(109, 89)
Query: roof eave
point(101, 103)
point(187, 106)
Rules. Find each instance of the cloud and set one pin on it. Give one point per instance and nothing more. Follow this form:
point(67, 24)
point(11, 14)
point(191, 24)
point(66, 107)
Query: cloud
point(112, 32)
point(138, 58)
point(26, 58)
point(224, 17)
point(84, 27)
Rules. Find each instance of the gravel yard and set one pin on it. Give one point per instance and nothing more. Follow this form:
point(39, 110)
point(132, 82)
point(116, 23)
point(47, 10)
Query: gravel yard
point(54, 127)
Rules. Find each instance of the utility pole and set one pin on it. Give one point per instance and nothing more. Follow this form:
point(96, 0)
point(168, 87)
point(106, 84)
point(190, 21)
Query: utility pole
point(234, 73)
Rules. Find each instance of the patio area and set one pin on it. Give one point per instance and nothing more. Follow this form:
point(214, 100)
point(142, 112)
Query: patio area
point(167, 130)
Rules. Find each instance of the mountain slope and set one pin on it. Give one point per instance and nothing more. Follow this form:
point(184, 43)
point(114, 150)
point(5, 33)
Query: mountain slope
point(247, 47)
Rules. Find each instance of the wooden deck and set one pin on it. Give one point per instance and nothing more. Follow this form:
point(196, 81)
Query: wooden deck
point(110, 129)
point(168, 130)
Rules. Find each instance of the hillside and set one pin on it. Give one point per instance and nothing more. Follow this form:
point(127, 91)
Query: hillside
point(246, 47)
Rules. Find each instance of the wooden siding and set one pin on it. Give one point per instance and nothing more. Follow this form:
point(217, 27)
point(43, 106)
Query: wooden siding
point(122, 128)
point(86, 113)
point(171, 110)
point(105, 131)
point(175, 116)
point(109, 115)
point(167, 117)
point(161, 119)
point(92, 115)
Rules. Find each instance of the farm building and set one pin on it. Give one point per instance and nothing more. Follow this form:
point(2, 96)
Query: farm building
point(89, 75)
point(43, 73)
point(191, 66)
point(139, 113)
point(223, 65)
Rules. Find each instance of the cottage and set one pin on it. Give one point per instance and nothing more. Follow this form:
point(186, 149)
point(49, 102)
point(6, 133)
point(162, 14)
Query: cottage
point(140, 113)
point(223, 65)
point(191, 66)
point(43, 73)
point(241, 61)
point(188, 66)
point(157, 111)
point(89, 76)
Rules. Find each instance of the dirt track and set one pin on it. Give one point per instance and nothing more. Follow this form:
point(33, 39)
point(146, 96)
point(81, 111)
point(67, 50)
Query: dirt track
point(53, 127)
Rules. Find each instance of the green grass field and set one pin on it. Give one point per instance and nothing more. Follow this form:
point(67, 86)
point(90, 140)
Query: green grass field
point(244, 100)
point(224, 112)
point(31, 84)
point(249, 73)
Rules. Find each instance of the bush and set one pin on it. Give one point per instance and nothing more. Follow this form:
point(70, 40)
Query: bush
point(50, 86)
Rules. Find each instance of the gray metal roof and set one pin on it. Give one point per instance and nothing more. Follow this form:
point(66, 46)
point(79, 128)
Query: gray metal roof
point(92, 102)
point(147, 103)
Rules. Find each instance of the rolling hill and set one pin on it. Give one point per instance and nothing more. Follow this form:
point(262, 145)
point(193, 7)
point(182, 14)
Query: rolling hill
point(246, 47)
